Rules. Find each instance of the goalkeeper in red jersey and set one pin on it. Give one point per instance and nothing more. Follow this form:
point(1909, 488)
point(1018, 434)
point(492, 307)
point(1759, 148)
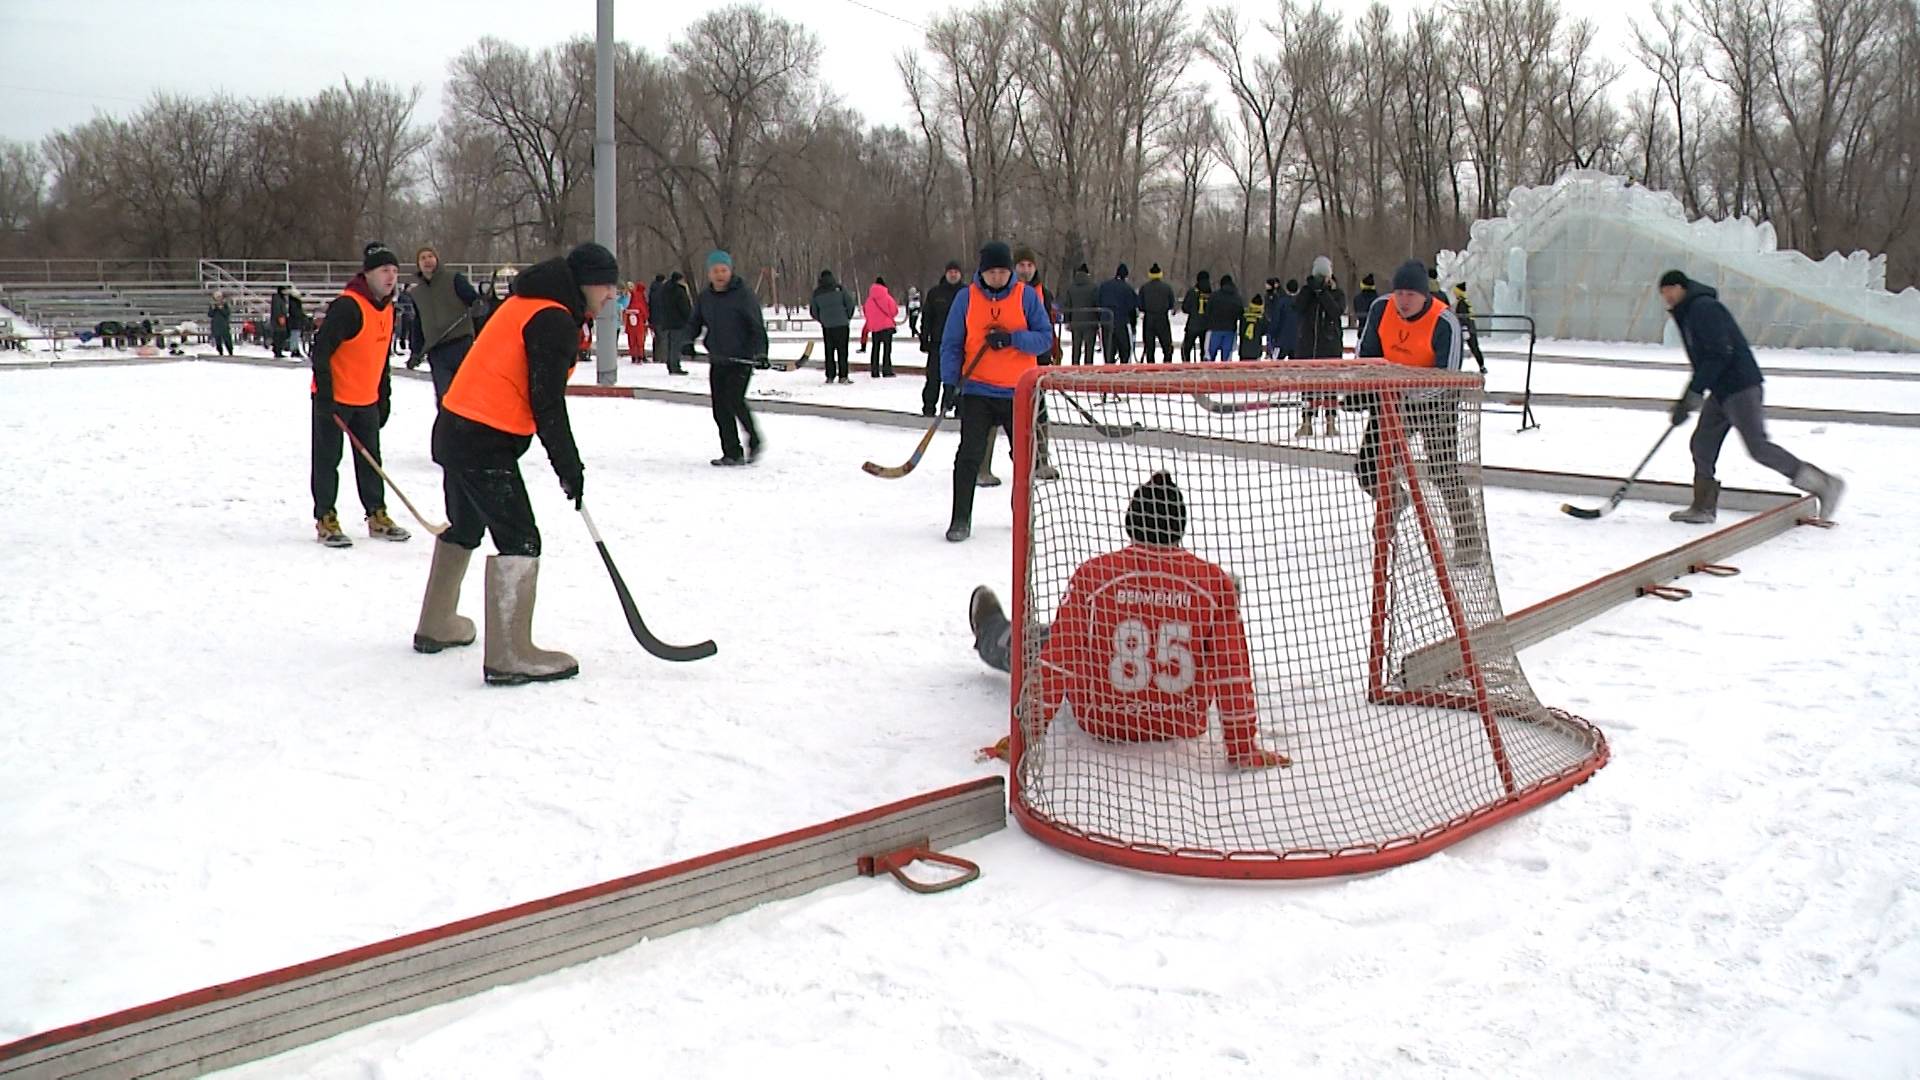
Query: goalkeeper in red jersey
point(1146, 640)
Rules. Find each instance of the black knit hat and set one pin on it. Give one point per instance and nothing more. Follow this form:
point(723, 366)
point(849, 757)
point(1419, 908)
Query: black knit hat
point(954, 264)
point(1121, 272)
point(1203, 278)
point(1433, 274)
point(592, 264)
point(1411, 277)
point(1293, 285)
point(1674, 277)
point(1157, 513)
point(826, 279)
point(995, 255)
point(1367, 281)
point(1154, 269)
point(1226, 281)
point(377, 254)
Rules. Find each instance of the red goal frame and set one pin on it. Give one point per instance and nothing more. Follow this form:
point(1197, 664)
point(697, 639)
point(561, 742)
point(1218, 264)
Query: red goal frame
point(1391, 382)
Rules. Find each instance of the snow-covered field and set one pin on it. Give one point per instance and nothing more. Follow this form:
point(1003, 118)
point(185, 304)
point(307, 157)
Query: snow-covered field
point(218, 754)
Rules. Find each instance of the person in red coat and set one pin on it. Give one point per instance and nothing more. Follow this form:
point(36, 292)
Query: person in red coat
point(1146, 640)
point(635, 318)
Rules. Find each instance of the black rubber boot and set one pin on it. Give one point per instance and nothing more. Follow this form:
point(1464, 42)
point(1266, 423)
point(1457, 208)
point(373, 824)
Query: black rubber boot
point(1705, 506)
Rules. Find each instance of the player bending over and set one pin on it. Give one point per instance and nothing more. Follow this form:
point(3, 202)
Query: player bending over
point(1147, 638)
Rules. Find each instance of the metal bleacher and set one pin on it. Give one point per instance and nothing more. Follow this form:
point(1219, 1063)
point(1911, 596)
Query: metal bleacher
point(65, 297)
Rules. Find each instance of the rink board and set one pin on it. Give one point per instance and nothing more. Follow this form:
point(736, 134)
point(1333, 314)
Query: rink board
point(257, 1017)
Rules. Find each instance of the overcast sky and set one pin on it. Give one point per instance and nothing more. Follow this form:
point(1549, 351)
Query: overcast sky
point(62, 61)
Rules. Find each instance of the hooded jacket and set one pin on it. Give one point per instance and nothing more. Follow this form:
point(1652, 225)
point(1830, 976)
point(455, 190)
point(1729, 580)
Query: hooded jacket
point(1082, 302)
point(1197, 307)
point(1225, 309)
point(880, 310)
point(675, 304)
point(1036, 340)
point(736, 331)
point(1322, 309)
point(552, 340)
point(832, 305)
point(1723, 363)
point(1283, 325)
point(933, 316)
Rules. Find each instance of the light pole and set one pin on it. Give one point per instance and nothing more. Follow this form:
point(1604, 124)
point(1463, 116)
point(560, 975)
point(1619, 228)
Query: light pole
point(606, 333)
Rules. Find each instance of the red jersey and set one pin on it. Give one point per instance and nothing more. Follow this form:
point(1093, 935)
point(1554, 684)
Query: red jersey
point(1145, 640)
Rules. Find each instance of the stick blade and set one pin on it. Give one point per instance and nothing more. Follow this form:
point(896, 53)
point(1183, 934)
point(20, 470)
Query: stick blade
point(886, 472)
point(1581, 512)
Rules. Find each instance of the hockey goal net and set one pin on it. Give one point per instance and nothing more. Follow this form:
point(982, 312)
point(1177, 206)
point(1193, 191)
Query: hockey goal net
point(1328, 598)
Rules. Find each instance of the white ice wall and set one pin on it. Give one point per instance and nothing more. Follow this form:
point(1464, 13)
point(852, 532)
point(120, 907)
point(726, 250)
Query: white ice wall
point(1583, 255)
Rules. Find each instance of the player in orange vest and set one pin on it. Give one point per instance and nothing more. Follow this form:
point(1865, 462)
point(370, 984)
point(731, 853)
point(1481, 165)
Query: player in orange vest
point(511, 387)
point(1410, 328)
point(996, 331)
point(351, 381)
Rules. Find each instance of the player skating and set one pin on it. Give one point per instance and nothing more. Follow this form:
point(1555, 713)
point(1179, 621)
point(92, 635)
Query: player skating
point(1726, 388)
point(1147, 638)
point(353, 386)
point(511, 386)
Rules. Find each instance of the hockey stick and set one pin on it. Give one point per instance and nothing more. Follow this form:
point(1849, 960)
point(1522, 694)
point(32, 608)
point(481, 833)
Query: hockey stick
point(653, 645)
point(1229, 408)
point(895, 473)
point(1619, 493)
point(1108, 431)
point(411, 509)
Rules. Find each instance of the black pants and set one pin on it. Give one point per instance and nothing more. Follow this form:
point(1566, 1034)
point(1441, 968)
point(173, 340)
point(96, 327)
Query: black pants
point(1190, 340)
point(979, 415)
point(493, 499)
point(1437, 425)
point(667, 343)
point(880, 353)
point(222, 339)
point(913, 322)
point(836, 341)
point(1746, 413)
point(1119, 344)
point(1158, 330)
point(934, 396)
point(1473, 344)
point(727, 382)
point(328, 442)
point(1085, 338)
point(443, 360)
point(279, 343)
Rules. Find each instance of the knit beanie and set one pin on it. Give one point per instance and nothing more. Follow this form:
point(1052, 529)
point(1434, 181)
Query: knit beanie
point(377, 254)
point(1674, 277)
point(592, 264)
point(1367, 281)
point(1226, 281)
point(1322, 267)
point(1293, 285)
point(954, 264)
point(1121, 272)
point(1157, 513)
point(1411, 277)
point(1153, 271)
point(719, 258)
point(995, 256)
point(826, 279)
point(1203, 278)
point(1023, 253)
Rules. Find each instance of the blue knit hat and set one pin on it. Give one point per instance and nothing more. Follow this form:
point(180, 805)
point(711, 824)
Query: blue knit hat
point(719, 258)
point(1411, 277)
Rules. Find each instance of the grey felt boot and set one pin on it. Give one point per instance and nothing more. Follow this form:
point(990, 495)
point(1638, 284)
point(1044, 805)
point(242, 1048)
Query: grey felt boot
point(1706, 503)
point(441, 625)
point(512, 658)
point(1825, 487)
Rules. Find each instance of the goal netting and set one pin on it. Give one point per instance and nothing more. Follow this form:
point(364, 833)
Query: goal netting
point(1279, 591)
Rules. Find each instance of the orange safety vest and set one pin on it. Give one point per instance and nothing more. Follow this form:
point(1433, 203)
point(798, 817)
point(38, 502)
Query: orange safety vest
point(358, 362)
point(491, 386)
point(997, 367)
point(1409, 342)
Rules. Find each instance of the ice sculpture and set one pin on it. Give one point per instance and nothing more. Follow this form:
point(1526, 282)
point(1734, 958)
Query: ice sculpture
point(1582, 255)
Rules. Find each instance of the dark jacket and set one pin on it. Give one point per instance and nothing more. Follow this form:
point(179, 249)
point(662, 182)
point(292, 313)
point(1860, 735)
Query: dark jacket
point(736, 332)
point(674, 306)
point(343, 323)
point(1225, 310)
point(933, 316)
point(832, 305)
point(1723, 363)
point(220, 316)
point(654, 292)
point(1323, 309)
point(552, 340)
point(1363, 304)
point(297, 310)
point(1156, 300)
point(1196, 306)
point(444, 310)
point(1118, 297)
point(1283, 325)
point(1082, 302)
point(278, 310)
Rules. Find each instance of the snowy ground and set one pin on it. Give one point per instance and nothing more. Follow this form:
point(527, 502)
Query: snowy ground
point(219, 755)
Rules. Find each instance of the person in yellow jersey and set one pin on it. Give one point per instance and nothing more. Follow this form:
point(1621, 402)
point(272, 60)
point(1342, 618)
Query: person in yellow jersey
point(351, 382)
point(511, 386)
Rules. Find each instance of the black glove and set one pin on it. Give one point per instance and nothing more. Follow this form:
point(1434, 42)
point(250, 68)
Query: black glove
point(574, 484)
point(762, 363)
point(1685, 406)
point(999, 339)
